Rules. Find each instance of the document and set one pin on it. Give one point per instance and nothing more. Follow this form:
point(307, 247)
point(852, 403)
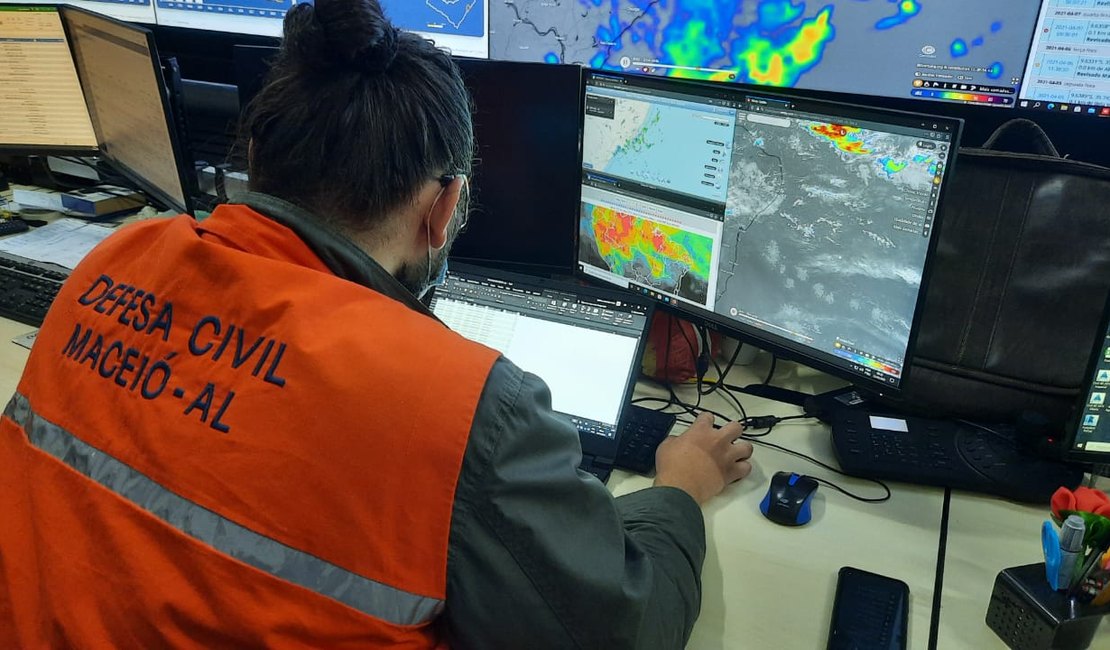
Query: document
point(64, 242)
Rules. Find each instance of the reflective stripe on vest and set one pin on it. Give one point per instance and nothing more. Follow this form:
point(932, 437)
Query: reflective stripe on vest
point(373, 598)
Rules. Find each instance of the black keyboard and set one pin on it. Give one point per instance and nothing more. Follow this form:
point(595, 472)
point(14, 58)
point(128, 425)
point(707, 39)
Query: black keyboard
point(27, 288)
point(947, 454)
point(12, 226)
point(641, 434)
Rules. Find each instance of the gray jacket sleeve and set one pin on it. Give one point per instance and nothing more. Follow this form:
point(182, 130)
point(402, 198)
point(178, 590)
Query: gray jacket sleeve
point(542, 556)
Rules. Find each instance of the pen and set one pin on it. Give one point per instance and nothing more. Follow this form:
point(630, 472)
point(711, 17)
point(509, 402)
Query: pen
point(1071, 547)
point(1088, 566)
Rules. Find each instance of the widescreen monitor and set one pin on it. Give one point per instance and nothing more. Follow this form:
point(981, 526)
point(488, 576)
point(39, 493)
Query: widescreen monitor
point(803, 226)
point(458, 25)
point(258, 17)
point(42, 108)
point(1088, 439)
point(135, 11)
point(947, 50)
point(1069, 67)
point(129, 104)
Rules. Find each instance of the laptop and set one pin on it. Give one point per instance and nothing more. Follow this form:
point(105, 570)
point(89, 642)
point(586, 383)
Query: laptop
point(584, 342)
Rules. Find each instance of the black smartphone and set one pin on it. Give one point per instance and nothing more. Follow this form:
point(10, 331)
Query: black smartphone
point(870, 611)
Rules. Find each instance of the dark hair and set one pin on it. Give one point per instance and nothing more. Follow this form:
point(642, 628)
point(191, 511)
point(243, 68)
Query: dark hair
point(356, 115)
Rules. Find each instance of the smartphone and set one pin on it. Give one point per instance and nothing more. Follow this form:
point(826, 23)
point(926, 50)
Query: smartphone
point(870, 611)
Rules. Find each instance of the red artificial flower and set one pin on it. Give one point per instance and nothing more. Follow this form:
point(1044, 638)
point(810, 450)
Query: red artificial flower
point(1083, 499)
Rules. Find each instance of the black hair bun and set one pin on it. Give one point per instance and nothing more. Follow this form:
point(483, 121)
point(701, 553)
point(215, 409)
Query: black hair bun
point(351, 34)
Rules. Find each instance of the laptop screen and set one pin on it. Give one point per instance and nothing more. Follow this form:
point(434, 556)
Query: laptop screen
point(584, 343)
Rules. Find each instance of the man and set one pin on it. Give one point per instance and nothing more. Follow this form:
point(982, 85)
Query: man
point(248, 432)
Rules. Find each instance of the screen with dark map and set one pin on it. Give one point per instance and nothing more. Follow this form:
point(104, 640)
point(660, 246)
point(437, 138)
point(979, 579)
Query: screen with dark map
point(871, 47)
point(826, 231)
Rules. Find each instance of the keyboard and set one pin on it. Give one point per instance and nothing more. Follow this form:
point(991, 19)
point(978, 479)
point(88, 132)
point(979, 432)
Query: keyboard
point(946, 453)
point(641, 434)
point(27, 288)
point(12, 226)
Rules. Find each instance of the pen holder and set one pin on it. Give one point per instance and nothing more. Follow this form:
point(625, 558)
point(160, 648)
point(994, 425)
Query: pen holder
point(1028, 615)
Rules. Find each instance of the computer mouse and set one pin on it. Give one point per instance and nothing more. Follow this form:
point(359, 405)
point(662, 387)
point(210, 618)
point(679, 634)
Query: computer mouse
point(788, 499)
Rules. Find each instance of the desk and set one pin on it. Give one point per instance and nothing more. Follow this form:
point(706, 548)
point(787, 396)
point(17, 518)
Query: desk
point(769, 586)
point(986, 535)
point(12, 356)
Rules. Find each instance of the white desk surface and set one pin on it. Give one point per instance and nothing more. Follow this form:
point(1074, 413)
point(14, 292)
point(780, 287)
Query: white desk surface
point(771, 586)
point(986, 535)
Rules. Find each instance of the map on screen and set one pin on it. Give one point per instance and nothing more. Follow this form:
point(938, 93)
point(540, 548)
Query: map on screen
point(871, 47)
point(825, 232)
point(460, 17)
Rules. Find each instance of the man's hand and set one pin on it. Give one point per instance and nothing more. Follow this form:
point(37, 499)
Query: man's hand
point(704, 460)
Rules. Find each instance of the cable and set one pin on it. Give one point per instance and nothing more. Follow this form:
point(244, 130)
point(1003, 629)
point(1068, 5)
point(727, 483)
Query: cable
point(771, 371)
point(857, 497)
point(754, 439)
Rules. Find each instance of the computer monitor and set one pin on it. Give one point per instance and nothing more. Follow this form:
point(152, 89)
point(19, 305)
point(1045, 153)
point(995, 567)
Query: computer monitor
point(803, 226)
point(135, 11)
point(526, 182)
point(258, 17)
point(251, 64)
point(947, 50)
point(1069, 68)
point(129, 104)
point(42, 108)
point(458, 25)
point(1088, 438)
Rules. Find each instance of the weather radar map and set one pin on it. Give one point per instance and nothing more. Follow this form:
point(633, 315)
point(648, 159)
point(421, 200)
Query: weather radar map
point(664, 257)
point(826, 232)
point(874, 47)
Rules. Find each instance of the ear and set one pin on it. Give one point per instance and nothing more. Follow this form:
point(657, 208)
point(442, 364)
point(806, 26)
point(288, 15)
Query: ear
point(439, 217)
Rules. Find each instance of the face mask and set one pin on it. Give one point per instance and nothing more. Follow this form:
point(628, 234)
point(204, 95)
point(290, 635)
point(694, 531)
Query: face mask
point(421, 281)
point(440, 278)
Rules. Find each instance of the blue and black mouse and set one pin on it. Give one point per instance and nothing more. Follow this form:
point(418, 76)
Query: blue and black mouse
point(788, 499)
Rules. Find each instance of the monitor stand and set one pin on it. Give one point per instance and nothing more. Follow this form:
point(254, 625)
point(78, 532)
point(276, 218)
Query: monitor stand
point(818, 406)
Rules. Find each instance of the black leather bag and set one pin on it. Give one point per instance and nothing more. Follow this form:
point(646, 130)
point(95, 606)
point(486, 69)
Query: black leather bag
point(1018, 285)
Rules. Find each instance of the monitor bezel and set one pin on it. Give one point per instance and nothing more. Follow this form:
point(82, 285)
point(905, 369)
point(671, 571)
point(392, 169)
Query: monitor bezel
point(178, 150)
point(779, 346)
point(1071, 454)
point(597, 446)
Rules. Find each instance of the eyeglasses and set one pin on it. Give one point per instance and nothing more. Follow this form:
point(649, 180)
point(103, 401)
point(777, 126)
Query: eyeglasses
point(464, 201)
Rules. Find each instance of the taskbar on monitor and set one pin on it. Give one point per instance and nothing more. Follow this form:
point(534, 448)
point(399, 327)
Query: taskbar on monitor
point(1088, 110)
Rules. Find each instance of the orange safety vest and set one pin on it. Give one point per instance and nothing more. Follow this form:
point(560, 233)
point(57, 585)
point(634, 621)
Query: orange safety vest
point(218, 443)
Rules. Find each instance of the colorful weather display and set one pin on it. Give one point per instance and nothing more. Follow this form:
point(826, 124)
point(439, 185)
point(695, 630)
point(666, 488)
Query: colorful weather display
point(777, 48)
point(630, 245)
point(867, 361)
point(907, 9)
point(891, 166)
point(846, 138)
